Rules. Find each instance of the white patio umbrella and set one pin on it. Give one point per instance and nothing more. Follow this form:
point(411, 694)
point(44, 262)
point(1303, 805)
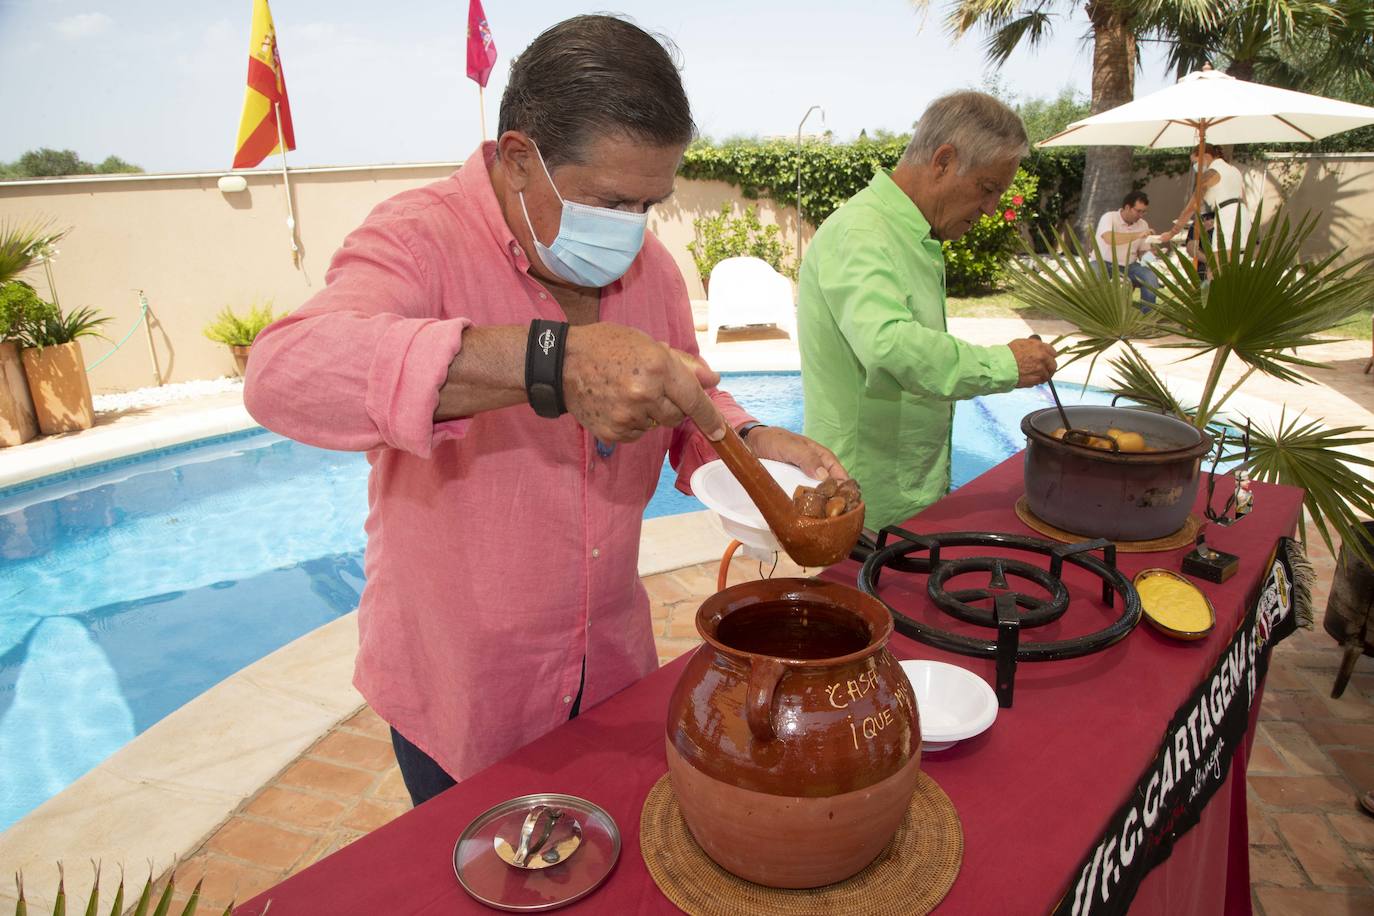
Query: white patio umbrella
point(1210, 106)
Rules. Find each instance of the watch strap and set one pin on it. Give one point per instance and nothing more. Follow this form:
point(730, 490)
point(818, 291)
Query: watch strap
point(544, 351)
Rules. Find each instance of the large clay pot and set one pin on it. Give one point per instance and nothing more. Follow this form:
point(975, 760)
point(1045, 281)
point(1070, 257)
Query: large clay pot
point(1127, 496)
point(17, 421)
point(61, 393)
point(793, 738)
point(240, 355)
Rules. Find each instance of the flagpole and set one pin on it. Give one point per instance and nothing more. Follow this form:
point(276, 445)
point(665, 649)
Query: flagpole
point(482, 112)
point(286, 181)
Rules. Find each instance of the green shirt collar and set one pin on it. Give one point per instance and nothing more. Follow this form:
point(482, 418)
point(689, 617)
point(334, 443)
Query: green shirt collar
point(895, 201)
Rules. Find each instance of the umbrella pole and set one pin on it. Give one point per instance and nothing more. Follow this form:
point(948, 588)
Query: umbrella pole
point(1197, 191)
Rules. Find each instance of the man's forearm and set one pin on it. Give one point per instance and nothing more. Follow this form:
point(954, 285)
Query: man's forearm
point(487, 374)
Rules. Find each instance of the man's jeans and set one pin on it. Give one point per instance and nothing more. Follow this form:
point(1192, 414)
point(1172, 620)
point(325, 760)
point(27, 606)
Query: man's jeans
point(1141, 277)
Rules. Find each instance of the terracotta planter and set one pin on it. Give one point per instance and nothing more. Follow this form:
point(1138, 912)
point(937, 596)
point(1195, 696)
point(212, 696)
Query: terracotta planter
point(59, 387)
point(240, 358)
point(793, 739)
point(17, 421)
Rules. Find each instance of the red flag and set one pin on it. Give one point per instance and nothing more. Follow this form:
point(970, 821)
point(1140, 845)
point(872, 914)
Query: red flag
point(265, 98)
point(481, 49)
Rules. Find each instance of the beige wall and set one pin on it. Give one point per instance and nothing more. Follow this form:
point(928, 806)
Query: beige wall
point(1339, 190)
point(194, 250)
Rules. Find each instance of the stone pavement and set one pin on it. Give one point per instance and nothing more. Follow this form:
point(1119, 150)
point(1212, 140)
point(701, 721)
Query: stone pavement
point(1311, 849)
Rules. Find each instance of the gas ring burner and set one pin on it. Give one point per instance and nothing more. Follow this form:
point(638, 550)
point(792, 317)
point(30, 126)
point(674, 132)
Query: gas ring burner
point(1009, 611)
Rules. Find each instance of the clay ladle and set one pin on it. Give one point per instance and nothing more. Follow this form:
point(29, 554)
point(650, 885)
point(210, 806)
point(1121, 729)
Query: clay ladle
point(808, 541)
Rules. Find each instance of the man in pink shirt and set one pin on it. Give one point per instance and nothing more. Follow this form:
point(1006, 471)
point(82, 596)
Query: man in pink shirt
point(516, 355)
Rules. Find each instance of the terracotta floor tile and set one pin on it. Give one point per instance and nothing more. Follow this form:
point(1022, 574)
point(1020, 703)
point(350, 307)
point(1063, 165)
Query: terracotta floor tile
point(1320, 852)
point(1295, 745)
point(658, 613)
point(1261, 833)
point(1356, 829)
point(1331, 732)
point(392, 787)
point(1264, 760)
point(1292, 901)
point(225, 881)
point(260, 843)
point(295, 809)
point(367, 816)
point(666, 589)
point(323, 776)
point(1358, 766)
point(681, 623)
point(1295, 707)
point(368, 722)
point(1301, 791)
point(1272, 865)
point(695, 581)
point(669, 649)
point(355, 750)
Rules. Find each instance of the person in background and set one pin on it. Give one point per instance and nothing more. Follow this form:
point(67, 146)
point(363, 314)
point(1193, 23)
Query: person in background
point(516, 355)
point(880, 371)
point(1122, 237)
point(1222, 193)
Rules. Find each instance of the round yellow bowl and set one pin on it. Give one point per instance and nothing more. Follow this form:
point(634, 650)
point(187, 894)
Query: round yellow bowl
point(1175, 606)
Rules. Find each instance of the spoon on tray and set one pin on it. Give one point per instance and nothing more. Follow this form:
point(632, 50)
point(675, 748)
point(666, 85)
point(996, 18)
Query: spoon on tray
point(808, 541)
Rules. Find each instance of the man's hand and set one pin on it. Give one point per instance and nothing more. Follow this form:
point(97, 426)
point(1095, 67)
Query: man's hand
point(619, 382)
point(1035, 361)
point(780, 444)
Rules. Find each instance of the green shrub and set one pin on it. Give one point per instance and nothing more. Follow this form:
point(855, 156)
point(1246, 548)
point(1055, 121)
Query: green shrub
point(721, 236)
point(20, 307)
point(229, 328)
point(53, 327)
point(978, 261)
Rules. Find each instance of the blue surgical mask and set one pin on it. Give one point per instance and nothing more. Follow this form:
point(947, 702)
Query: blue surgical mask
point(594, 245)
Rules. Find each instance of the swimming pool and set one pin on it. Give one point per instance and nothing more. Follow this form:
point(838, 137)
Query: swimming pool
point(131, 587)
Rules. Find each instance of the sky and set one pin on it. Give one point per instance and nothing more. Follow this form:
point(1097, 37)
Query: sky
point(160, 83)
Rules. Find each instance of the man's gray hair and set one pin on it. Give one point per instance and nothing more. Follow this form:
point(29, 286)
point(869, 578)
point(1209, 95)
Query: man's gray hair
point(981, 129)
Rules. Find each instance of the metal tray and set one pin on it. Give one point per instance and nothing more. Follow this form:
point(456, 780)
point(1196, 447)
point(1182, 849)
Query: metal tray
point(492, 882)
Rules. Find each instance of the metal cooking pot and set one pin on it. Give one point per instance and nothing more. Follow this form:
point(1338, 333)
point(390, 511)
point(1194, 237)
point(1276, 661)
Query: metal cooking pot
point(1122, 496)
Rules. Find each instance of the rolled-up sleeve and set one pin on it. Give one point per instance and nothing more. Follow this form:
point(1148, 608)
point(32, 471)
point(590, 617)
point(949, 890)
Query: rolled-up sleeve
point(360, 365)
point(872, 308)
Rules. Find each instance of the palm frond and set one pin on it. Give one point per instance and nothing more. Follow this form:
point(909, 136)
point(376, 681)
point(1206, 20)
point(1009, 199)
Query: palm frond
point(1135, 379)
point(1302, 453)
point(22, 242)
point(1071, 288)
point(1032, 28)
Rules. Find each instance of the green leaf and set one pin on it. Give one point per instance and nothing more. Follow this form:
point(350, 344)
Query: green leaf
point(229, 328)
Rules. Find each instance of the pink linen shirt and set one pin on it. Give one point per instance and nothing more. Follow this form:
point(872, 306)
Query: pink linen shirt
point(501, 548)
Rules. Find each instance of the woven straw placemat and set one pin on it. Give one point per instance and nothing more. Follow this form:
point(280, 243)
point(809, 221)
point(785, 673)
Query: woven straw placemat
point(910, 876)
point(1180, 538)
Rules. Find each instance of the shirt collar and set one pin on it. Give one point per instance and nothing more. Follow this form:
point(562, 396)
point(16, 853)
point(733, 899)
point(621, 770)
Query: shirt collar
point(894, 200)
point(475, 181)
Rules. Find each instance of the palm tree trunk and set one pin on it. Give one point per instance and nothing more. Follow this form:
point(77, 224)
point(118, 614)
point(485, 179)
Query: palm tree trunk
point(1107, 170)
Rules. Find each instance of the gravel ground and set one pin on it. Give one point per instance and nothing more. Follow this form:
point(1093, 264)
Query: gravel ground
point(167, 394)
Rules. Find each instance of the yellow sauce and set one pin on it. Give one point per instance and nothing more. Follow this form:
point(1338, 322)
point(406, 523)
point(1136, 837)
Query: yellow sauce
point(1174, 603)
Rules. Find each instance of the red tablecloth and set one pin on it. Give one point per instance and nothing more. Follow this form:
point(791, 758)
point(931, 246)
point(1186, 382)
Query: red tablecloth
point(1033, 792)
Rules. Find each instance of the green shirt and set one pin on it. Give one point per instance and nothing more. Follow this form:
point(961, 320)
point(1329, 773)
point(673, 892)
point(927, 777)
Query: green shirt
point(880, 373)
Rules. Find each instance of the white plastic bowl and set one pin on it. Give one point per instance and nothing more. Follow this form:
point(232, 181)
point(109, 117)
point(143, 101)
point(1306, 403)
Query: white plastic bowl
point(718, 489)
point(954, 703)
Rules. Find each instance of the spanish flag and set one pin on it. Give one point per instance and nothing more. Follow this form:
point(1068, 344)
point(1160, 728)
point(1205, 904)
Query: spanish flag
point(265, 98)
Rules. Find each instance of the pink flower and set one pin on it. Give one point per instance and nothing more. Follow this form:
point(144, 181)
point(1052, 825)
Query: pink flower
point(1018, 200)
point(1009, 216)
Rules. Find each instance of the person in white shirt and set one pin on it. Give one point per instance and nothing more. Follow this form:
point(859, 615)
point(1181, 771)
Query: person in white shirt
point(1121, 238)
point(1223, 193)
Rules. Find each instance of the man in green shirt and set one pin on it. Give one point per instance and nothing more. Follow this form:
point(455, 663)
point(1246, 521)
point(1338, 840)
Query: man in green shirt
point(880, 372)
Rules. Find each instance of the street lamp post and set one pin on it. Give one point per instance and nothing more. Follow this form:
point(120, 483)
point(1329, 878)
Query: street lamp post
point(799, 170)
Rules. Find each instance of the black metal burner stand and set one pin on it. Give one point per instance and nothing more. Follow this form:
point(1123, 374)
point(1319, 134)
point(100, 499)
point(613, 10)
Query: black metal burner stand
point(1010, 610)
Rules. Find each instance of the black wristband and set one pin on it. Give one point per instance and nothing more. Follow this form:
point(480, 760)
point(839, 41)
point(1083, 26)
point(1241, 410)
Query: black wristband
point(749, 427)
point(544, 350)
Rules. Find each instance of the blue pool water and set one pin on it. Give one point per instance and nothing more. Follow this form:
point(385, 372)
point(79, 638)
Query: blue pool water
point(131, 587)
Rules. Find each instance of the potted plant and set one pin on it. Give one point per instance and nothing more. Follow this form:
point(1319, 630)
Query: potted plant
point(1260, 304)
point(20, 244)
point(239, 333)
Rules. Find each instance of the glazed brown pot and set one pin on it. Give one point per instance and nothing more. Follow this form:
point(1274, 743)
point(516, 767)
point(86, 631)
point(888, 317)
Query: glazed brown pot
point(17, 421)
point(793, 738)
point(59, 387)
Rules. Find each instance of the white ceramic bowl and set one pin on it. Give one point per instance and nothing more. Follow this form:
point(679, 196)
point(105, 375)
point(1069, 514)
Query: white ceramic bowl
point(718, 489)
point(954, 703)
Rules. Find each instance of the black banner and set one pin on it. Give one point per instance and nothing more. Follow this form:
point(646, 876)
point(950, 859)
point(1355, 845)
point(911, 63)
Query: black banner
point(1193, 760)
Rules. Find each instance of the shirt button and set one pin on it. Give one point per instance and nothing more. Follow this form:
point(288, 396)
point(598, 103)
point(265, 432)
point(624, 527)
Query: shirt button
point(596, 551)
point(544, 296)
point(515, 249)
point(567, 699)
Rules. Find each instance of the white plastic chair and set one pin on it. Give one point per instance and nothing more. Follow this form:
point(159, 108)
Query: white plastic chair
point(747, 291)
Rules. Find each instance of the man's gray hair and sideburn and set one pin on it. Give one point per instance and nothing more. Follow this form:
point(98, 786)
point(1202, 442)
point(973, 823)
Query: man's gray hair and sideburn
point(981, 129)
